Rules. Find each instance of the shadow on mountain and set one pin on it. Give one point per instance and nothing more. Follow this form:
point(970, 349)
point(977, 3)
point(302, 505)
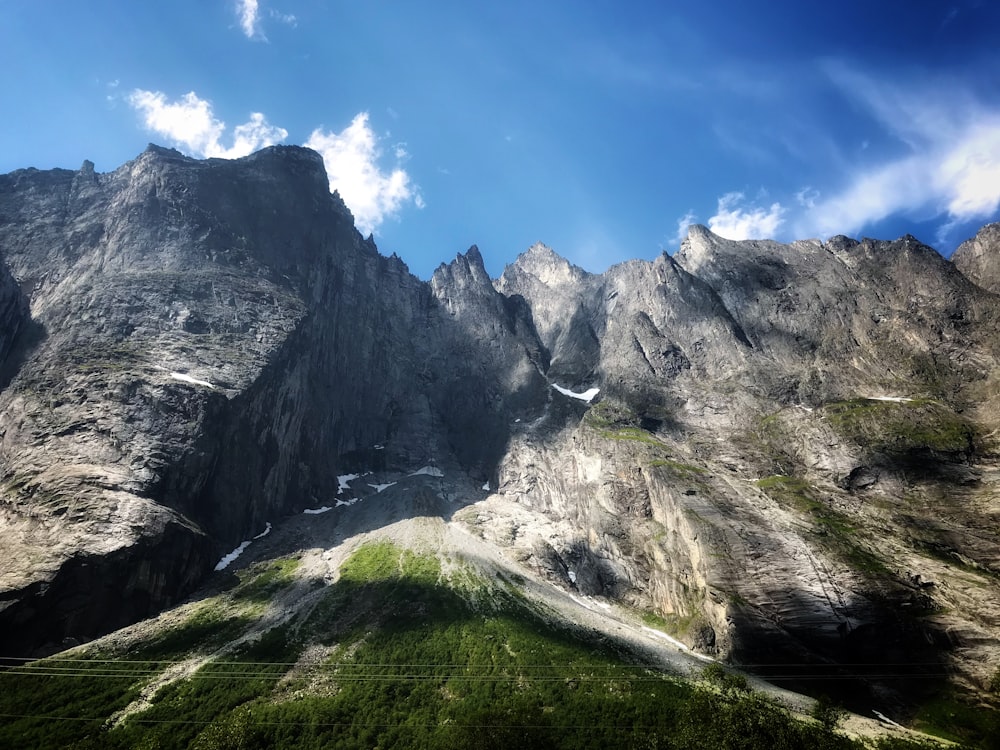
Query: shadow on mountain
point(884, 658)
point(29, 338)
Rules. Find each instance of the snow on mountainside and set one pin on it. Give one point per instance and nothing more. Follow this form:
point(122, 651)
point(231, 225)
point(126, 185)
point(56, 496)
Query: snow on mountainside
point(785, 453)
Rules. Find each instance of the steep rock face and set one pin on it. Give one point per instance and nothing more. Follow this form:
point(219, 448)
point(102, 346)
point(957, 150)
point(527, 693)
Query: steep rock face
point(788, 440)
point(740, 385)
point(830, 319)
point(562, 299)
point(13, 313)
point(210, 344)
point(489, 362)
point(978, 258)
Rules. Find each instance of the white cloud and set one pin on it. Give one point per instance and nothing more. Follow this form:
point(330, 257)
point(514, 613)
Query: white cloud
point(807, 197)
point(682, 226)
point(351, 158)
point(735, 219)
point(252, 136)
point(249, 14)
point(286, 18)
point(190, 124)
point(950, 166)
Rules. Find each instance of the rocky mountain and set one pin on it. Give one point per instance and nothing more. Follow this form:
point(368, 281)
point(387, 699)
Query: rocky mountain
point(786, 454)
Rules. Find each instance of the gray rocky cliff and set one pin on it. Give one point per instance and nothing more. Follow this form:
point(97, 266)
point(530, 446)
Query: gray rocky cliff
point(784, 434)
point(770, 447)
point(978, 258)
point(210, 343)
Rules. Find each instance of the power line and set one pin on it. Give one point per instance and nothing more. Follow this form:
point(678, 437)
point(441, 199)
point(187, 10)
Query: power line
point(832, 665)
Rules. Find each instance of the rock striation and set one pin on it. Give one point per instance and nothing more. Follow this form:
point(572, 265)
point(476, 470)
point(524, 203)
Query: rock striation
point(786, 452)
point(209, 344)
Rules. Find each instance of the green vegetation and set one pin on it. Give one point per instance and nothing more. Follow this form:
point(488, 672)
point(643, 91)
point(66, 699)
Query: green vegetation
point(827, 713)
point(951, 718)
point(610, 415)
point(677, 467)
point(82, 691)
point(260, 582)
point(679, 626)
point(384, 561)
point(409, 663)
point(835, 531)
point(615, 421)
point(635, 434)
point(208, 629)
point(96, 355)
point(901, 427)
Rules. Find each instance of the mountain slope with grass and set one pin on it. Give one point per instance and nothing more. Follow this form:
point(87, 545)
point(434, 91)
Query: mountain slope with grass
point(233, 433)
point(392, 624)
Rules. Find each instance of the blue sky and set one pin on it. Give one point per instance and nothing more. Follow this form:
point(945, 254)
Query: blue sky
point(598, 128)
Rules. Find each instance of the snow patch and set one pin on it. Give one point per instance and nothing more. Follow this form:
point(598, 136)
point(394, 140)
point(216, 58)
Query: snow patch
point(587, 395)
point(317, 511)
point(380, 487)
point(882, 717)
point(348, 503)
point(228, 559)
point(894, 399)
point(185, 378)
point(486, 486)
point(344, 480)
point(572, 576)
point(379, 447)
point(225, 561)
point(431, 471)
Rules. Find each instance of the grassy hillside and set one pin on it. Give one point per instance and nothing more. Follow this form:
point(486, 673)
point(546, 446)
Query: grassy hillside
point(402, 651)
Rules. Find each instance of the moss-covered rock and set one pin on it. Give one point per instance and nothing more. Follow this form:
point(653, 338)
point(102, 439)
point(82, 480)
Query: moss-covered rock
point(902, 427)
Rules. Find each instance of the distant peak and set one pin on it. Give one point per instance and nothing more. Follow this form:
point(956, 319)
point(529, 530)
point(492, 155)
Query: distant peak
point(697, 247)
point(473, 255)
point(546, 265)
point(540, 249)
point(700, 231)
point(467, 269)
point(156, 150)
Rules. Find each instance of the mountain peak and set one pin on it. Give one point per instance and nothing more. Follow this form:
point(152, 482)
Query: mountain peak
point(543, 263)
point(978, 258)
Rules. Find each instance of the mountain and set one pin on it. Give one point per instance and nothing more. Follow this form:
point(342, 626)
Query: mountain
point(783, 455)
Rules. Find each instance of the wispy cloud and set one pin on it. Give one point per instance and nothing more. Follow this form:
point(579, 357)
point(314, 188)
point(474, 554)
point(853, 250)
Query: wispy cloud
point(286, 18)
point(248, 12)
point(739, 219)
point(352, 164)
point(682, 227)
point(807, 197)
point(190, 124)
point(949, 166)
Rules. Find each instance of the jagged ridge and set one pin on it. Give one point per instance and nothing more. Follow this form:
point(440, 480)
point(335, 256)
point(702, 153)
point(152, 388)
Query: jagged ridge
point(211, 343)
